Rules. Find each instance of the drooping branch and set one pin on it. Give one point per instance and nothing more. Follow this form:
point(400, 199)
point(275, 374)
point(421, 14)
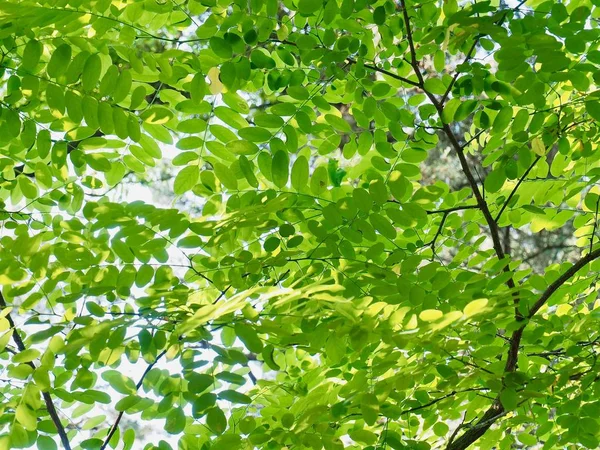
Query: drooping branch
point(46, 395)
point(439, 399)
point(438, 233)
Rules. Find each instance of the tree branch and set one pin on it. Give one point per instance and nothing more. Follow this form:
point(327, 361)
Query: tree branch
point(46, 395)
point(438, 233)
point(458, 149)
point(115, 426)
point(514, 191)
point(471, 51)
point(455, 208)
point(468, 56)
point(562, 280)
point(496, 410)
point(413, 54)
point(386, 72)
point(439, 399)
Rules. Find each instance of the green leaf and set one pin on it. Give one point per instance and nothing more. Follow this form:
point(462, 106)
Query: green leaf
point(28, 188)
point(280, 168)
point(216, 421)
point(31, 55)
point(363, 436)
point(309, 7)
point(502, 119)
point(119, 382)
point(235, 397)
point(26, 356)
point(46, 443)
point(91, 72)
point(379, 15)
point(122, 86)
point(268, 356)
point(226, 176)
point(319, 180)
point(592, 107)
point(382, 225)
point(175, 422)
point(249, 337)
point(127, 402)
point(58, 63)
point(464, 110)
point(299, 175)
point(199, 382)
point(509, 399)
point(26, 417)
point(221, 47)
point(262, 60)
point(495, 180)
point(186, 179)
point(202, 403)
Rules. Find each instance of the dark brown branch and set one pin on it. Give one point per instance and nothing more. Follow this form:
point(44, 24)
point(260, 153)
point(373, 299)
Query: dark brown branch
point(458, 149)
point(497, 410)
point(46, 395)
point(438, 233)
point(115, 426)
point(595, 225)
point(562, 280)
point(455, 208)
point(413, 53)
point(439, 399)
point(458, 428)
point(386, 72)
point(471, 51)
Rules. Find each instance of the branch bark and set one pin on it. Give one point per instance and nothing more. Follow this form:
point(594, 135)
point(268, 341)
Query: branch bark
point(46, 395)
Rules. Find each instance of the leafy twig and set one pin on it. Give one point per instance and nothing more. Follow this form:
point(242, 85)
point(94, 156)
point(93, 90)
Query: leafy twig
point(514, 191)
point(46, 395)
point(115, 426)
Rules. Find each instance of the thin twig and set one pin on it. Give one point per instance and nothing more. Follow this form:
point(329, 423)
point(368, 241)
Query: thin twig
point(438, 233)
point(455, 208)
point(514, 191)
point(386, 72)
point(115, 426)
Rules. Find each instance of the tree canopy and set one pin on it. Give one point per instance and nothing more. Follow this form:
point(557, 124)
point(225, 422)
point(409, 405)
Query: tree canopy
point(379, 227)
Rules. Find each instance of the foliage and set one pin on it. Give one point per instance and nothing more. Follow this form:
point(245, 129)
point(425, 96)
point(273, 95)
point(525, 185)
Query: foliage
point(327, 289)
